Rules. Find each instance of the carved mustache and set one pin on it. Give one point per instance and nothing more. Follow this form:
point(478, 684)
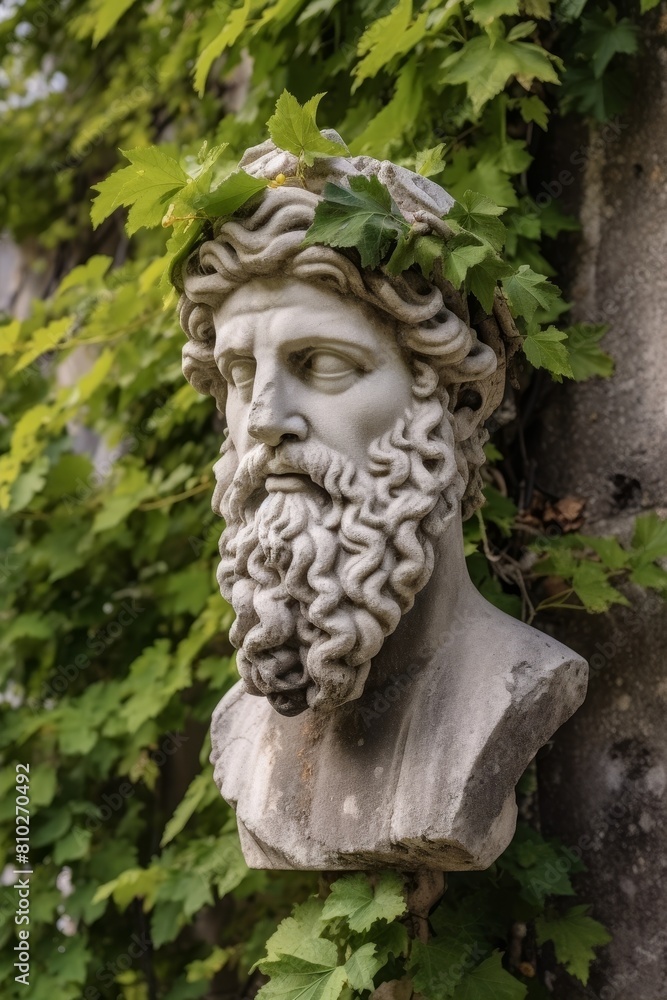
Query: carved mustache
point(332, 472)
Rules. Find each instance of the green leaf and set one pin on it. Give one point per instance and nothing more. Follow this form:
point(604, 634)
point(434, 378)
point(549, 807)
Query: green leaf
point(386, 38)
point(499, 510)
point(545, 349)
point(646, 5)
point(541, 868)
point(528, 291)
point(206, 968)
point(532, 109)
point(575, 935)
point(231, 194)
point(361, 217)
point(482, 279)
point(478, 215)
point(362, 966)
point(649, 539)
point(603, 37)
point(146, 187)
point(485, 64)
point(437, 967)
point(233, 28)
point(294, 978)
point(463, 253)
point(485, 11)
point(361, 903)
point(107, 15)
point(201, 792)
point(591, 585)
point(587, 359)
point(294, 129)
point(431, 161)
point(291, 934)
point(489, 981)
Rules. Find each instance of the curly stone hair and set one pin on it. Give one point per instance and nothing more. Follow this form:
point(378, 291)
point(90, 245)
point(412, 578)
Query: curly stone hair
point(430, 318)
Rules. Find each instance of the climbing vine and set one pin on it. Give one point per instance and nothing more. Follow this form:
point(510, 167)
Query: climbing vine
point(113, 636)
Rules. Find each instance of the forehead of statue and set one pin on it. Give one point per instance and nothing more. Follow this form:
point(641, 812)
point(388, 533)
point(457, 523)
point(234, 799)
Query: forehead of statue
point(289, 309)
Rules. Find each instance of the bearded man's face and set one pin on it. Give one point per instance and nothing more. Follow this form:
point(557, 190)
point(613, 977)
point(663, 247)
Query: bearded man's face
point(330, 485)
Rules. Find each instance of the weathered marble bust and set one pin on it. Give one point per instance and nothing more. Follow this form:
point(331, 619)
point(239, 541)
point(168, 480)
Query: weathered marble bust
point(386, 710)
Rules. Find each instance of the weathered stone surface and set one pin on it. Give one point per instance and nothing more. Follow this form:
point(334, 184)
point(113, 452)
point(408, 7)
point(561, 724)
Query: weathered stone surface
point(400, 707)
point(603, 785)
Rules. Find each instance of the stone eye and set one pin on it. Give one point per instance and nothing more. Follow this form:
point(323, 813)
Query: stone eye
point(324, 364)
point(242, 372)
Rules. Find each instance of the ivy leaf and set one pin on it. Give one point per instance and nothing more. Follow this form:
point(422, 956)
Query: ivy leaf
point(294, 978)
point(478, 215)
point(436, 967)
point(541, 868)
point(586, 358)
point(602, 37)
point(234, 25)
point(545, 349)
point(649, 539)
point(482, 279)
point(146, 187)
point(361, 903)
point(575, 935)
point(201, 792)
point(294, 129)
point(362, 966)
point(363, 217)
point(591, 585)
point(291, 933)
point(485, 64)
point(489, 981)
point(532, 109)
point(231, 194)
point(431, 161)
point(485, 11)
point(421, 250)
point(386, 38)
point(528, 291)
point(463, 253)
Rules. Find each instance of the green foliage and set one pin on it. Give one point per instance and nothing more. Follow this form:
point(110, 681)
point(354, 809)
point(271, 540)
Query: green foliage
point(113, 637)
point(574, 936)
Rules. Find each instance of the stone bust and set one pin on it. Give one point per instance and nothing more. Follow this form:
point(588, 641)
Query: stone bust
point(385, 709)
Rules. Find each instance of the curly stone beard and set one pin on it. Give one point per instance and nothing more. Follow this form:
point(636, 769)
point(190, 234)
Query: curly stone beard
point(318, 577)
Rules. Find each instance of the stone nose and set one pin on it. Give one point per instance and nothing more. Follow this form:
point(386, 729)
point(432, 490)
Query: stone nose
point(272, 418)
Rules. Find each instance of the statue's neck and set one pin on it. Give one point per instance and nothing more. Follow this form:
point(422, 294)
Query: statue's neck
point(439, 619)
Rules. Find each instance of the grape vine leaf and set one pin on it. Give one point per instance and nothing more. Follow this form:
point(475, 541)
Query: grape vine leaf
point(545, 349)
point(528, 291)
point(485, 64)
point(485, 11)
point(231, 194)
point(478, 215)
point(293, 128)
point(586, 357)
point(362, 216)
point(294, 978)
point(361, 903)
point(293, 931)
point(430, 162)
point(387, 37)
point(362, 966)
point(575, 936)
point(234, 25)
point(145, 187)
point(489, 981)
